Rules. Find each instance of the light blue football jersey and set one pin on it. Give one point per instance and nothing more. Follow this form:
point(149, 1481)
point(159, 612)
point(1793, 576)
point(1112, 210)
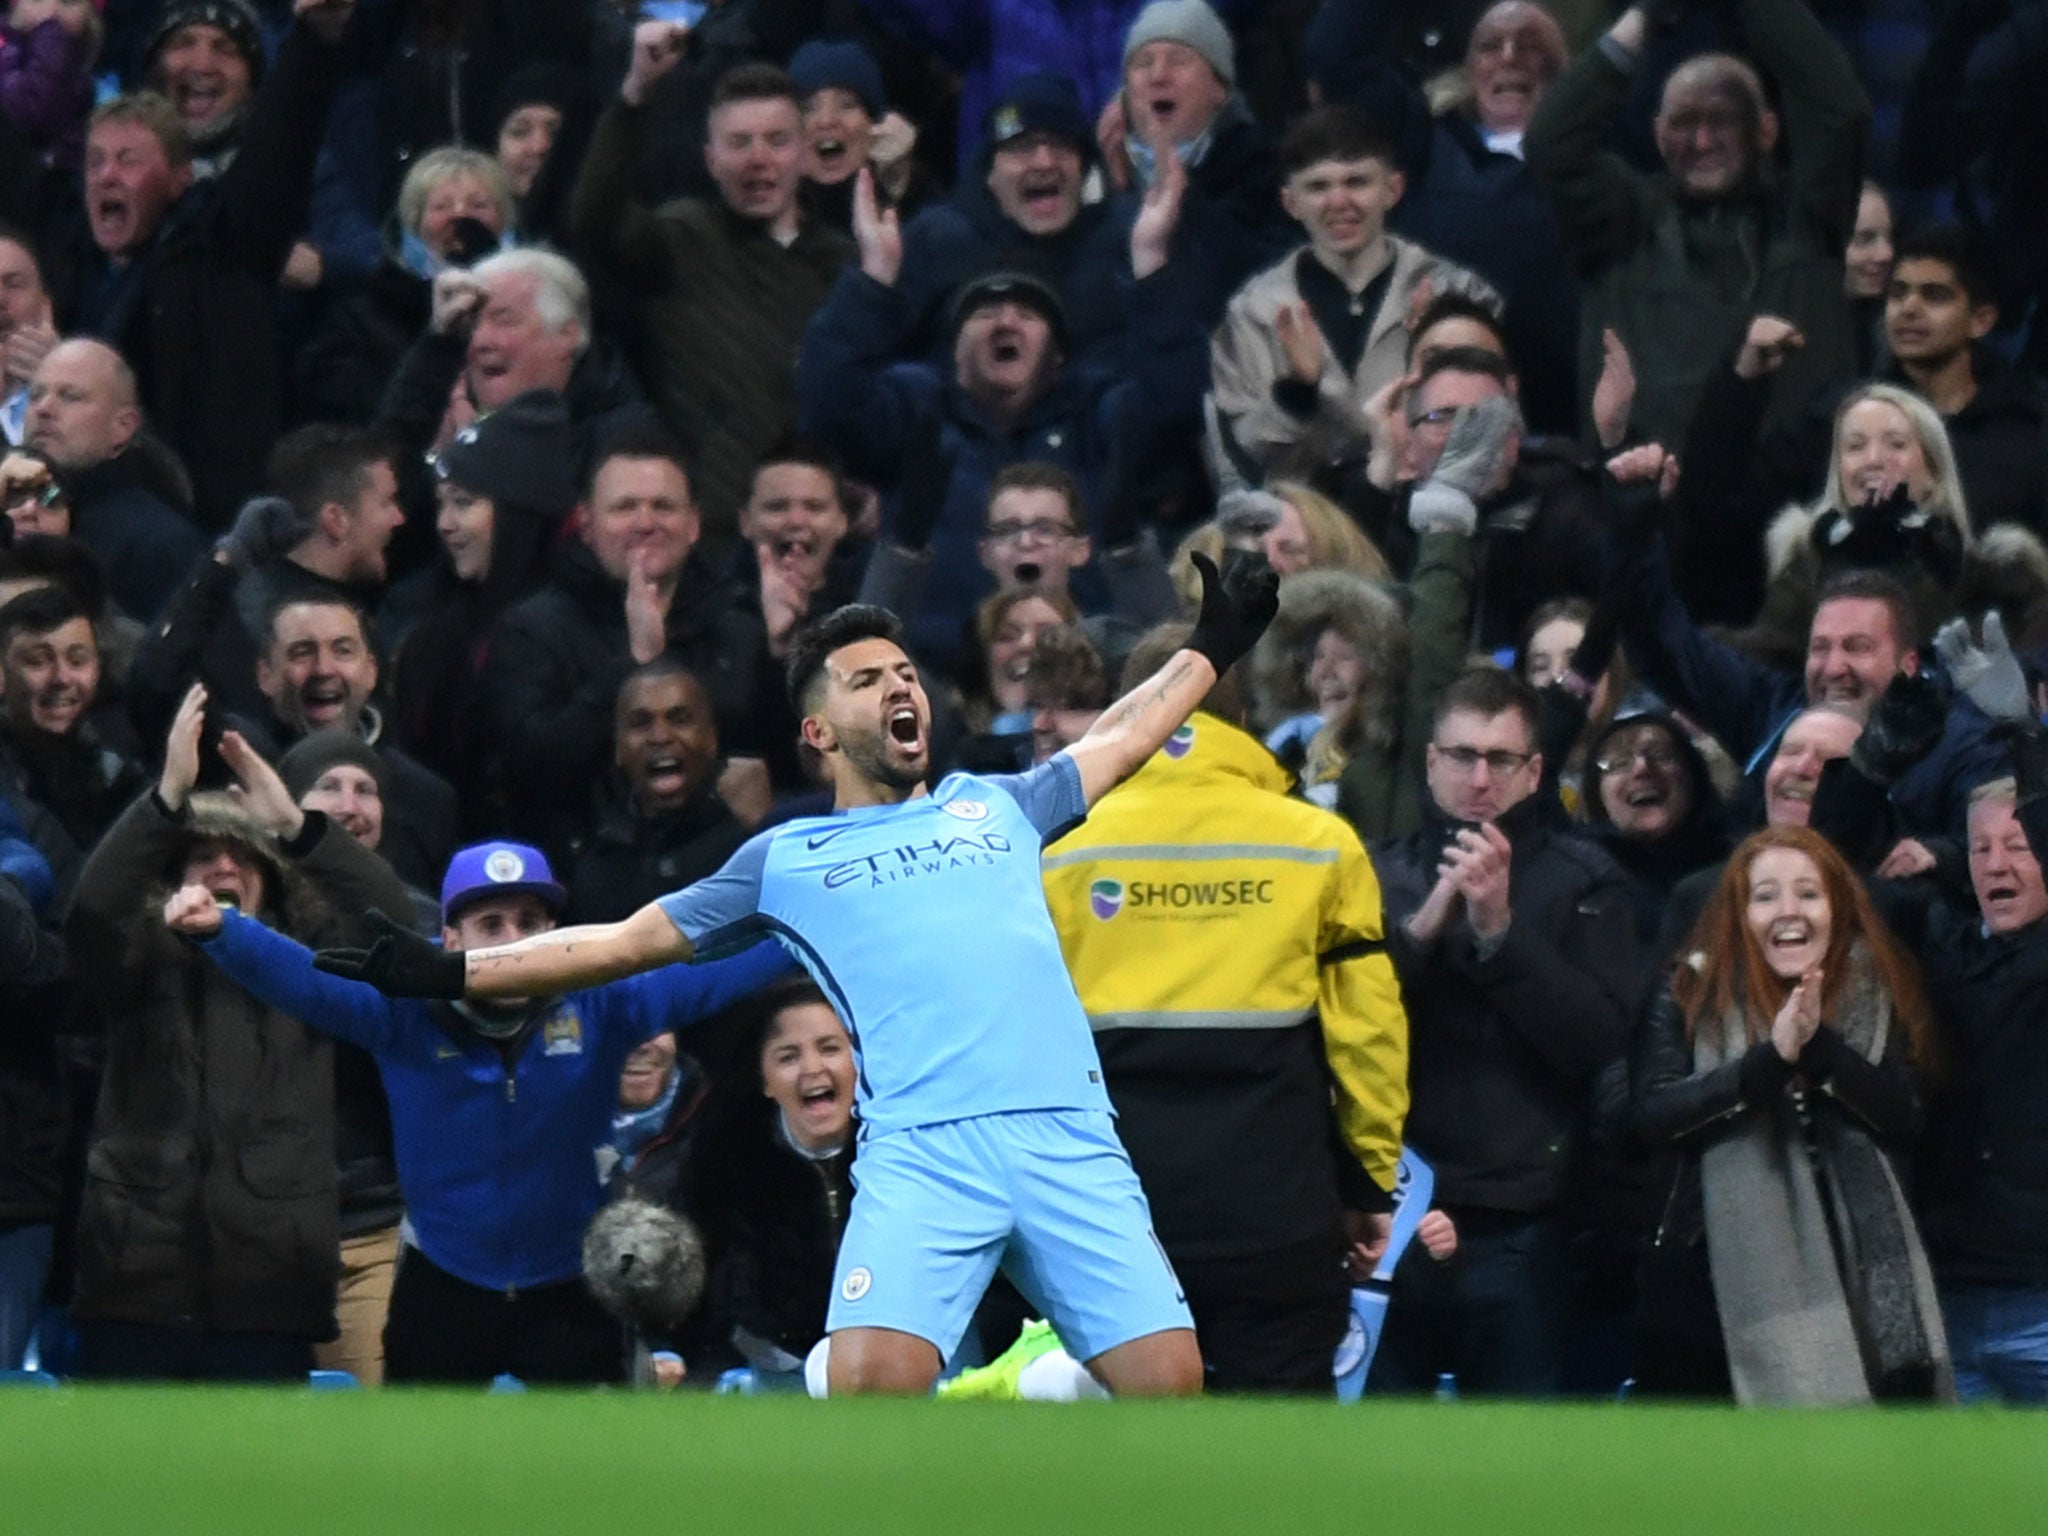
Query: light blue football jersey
point(925, 924)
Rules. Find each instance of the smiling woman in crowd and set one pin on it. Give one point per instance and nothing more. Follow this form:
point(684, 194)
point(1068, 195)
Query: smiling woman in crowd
point(1782, 1066)
point(768, 1184)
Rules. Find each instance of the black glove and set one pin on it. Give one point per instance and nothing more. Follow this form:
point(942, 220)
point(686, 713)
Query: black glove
point(2027, 746)
point(398, 963)
point(1235, 609)
point(1903, 729)
point(1635, 510)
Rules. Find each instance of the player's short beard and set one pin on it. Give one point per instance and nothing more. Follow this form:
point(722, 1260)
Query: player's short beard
point(868, 752)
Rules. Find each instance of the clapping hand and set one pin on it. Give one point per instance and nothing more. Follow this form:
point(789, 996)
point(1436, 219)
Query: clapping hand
point(1478, 862)
point(878, 231)
point(1799, 1018)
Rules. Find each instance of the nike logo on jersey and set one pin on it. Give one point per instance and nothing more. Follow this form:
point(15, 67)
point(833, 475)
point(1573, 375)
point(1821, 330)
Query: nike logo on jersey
point(819, 841)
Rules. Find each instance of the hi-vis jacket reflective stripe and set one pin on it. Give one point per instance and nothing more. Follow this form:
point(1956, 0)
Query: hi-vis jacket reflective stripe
point(1199, 896)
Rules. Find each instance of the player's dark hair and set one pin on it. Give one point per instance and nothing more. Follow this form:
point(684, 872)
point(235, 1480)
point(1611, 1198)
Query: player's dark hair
point(1962, 252)
point(839, 628)
point(1334, 133)
point(1488, 691)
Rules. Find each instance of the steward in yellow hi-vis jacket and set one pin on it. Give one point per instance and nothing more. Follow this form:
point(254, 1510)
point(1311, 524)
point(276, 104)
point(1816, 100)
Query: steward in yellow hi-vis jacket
point(1226, 942)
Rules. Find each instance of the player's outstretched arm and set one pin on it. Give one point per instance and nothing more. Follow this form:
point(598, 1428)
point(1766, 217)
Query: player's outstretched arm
point(1235, 611)
point(402, 964)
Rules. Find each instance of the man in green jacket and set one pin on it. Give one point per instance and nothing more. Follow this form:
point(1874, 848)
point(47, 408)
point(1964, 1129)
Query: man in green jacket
point(724, 288)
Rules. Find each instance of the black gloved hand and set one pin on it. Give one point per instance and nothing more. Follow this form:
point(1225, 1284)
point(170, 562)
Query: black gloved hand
point(1903, 729)
point(398, 963)
point(2027, 746)
point(1634, 509)
point(1235, 609)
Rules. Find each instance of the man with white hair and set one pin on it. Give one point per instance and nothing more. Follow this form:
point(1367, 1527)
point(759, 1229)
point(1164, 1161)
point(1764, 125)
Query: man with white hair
point(514, 322)
point(1674, 264)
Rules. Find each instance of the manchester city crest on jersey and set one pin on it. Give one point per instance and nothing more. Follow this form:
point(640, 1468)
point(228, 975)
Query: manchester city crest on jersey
point(857, 1284)
point(966, 810)
point(562, 1036)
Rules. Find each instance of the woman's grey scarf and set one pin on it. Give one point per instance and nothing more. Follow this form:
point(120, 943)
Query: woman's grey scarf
point(1823, 1288)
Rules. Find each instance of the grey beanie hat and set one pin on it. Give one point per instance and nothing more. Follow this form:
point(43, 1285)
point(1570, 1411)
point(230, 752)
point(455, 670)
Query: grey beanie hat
point(1189, 22)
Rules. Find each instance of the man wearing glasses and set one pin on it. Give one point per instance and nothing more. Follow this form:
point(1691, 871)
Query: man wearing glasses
point(1516, 952)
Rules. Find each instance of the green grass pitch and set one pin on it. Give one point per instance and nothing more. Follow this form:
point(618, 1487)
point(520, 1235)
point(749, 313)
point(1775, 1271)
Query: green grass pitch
point(164, 1461)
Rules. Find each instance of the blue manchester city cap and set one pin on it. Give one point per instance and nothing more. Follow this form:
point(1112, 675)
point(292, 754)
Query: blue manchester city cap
point(498, 869)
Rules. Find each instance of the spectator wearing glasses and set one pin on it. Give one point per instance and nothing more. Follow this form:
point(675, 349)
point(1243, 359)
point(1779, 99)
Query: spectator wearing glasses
point(1650, 802)
point(1466, 461)
point(1516, 962)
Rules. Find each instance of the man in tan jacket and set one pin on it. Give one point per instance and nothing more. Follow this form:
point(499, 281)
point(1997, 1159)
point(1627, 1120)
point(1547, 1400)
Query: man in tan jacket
point(1306, 344)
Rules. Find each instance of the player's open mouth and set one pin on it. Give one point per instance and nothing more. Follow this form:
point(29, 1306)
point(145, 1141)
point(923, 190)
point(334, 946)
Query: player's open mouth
point(904, 728)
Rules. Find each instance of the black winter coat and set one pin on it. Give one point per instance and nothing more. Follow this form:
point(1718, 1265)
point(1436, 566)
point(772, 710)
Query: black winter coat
point(552, 679)
point(197, 316)
point(771, 1219)
point(1503, 1050)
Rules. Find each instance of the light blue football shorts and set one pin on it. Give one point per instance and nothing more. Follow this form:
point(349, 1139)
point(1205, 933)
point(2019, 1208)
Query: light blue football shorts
point(1049, 1195)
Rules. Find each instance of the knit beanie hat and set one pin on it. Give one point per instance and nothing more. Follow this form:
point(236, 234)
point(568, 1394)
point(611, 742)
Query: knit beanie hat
point(1192, 24)
point(820, 64)
point(1040, 102)
point(235, 18)
point(521, 454)
point(538, 84)
point(302, 767)
point(1016, 287)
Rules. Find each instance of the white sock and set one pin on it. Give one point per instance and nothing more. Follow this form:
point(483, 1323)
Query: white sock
point(815, 1378)
point(1057, 1377)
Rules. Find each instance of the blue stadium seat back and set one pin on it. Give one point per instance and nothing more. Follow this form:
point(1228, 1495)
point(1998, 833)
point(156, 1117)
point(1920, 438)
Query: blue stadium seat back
point(333, 1381)
point(28, 1379)
point(505, 1381)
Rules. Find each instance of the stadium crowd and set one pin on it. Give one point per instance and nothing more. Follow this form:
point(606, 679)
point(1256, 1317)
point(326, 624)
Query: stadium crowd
point(431, 425)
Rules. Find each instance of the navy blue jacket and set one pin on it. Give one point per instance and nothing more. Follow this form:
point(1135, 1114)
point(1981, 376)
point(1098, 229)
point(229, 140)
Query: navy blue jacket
point(876, 412)
point(497, 1159)
point(1746, 704)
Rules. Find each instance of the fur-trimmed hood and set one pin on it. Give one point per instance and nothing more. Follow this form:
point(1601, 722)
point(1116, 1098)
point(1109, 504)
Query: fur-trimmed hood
point(290, 901)
point(1364, 613)
point(2003, 567)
